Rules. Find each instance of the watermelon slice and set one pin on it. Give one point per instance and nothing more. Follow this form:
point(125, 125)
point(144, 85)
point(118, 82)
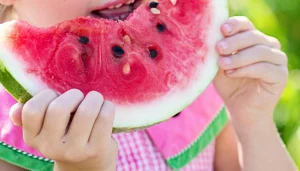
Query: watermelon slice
point(151, 65)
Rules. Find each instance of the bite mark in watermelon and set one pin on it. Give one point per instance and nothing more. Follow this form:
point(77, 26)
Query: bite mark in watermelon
point(150, 65)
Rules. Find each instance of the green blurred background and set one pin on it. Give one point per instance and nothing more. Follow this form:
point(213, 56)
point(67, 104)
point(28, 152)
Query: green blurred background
point(281, 19)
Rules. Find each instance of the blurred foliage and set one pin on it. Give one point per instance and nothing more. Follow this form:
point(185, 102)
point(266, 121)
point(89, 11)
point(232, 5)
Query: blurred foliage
point(281, 19)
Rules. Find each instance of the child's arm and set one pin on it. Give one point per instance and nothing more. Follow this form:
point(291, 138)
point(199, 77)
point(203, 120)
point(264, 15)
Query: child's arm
point(84, 144)
point(227, 154)
point(251, 80)
point(226, 150)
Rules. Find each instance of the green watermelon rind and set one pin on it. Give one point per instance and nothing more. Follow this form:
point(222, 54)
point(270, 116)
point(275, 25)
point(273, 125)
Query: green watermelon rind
point(13, 87)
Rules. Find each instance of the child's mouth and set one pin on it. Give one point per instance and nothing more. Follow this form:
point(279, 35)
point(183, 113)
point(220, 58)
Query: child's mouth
point(117, 12)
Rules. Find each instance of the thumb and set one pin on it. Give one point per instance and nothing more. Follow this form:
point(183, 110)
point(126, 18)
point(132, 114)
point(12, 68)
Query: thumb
point(15, 114)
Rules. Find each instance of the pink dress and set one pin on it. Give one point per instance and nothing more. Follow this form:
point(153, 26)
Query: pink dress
point(185, 142)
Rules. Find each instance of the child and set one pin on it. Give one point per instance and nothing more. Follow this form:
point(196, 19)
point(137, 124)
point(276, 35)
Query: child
point(252, 77)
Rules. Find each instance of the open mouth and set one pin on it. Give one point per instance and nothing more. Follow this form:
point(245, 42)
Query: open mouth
point(117, 12)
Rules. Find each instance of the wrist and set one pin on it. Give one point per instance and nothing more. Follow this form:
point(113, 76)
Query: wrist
point(253, 126)
point(260, 145)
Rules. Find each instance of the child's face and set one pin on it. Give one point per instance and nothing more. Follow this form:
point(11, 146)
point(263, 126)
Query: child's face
point(48, 12)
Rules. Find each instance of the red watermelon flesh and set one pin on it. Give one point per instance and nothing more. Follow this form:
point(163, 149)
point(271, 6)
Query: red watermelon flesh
point(150, 65)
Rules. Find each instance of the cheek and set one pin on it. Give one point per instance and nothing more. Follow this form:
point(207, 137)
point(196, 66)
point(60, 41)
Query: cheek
point(44, 13)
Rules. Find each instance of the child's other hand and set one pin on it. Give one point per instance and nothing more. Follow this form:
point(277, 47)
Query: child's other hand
point(253, 71)
point(81, 142)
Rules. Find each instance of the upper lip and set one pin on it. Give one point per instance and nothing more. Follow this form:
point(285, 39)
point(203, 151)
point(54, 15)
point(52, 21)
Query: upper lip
point(110, 4)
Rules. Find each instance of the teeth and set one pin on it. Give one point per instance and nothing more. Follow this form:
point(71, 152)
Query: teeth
point(120, 17)
point(118, 6)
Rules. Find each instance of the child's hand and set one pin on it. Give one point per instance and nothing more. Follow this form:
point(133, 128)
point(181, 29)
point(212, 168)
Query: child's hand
point(82, 142)
point(253, 71)
point(252, 77)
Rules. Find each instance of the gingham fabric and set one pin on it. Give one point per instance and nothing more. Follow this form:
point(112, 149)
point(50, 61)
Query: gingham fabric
point(137, 153)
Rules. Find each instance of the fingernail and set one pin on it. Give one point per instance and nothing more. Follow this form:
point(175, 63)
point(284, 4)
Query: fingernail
point(108, 108)
point(223, 45)
point(227, 28)
point(226, 60)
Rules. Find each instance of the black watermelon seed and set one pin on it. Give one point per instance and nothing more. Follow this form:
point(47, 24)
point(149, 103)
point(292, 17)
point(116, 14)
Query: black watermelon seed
point(84, 40)
point(161, 27)
point(118, 51)
point(153, 53)
point(176, 115)
point(153, 4)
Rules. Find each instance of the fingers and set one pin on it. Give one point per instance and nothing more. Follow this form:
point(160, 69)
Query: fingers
point(256, 54)
point(33, 114)
point(84, 119)
point(15, 114)
point(103, 124)
point(236, 25)
point(245, 40)
point(265, 71)
point(59, 112)
point(46, 116)
point(240, 34)
point(258, 62)
point(247, 52)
